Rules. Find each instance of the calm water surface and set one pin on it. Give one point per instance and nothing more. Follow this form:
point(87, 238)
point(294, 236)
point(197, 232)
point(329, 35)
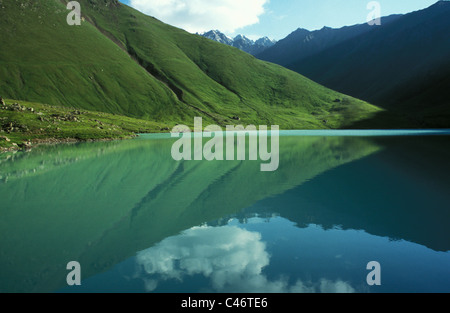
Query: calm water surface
point(138, 221)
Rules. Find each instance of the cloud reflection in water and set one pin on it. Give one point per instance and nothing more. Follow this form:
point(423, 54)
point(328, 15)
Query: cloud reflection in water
point(232, 259)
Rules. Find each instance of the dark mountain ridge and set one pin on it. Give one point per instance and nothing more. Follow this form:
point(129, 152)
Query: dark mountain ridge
point(402, 65)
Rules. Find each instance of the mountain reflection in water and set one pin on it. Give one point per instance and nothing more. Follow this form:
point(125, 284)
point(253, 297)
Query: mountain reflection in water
point(107, 204)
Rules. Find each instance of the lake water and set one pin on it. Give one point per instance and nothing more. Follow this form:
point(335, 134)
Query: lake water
point(138, 221)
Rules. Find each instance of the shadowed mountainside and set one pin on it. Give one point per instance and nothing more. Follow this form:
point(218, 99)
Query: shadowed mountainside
point(402, 65)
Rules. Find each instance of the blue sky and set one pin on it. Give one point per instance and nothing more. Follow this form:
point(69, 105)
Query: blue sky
point(273, 18)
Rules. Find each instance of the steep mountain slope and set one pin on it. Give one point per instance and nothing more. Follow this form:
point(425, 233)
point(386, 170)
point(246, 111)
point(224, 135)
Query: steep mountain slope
point(122, 61)
point(303, 43)
point(403, 66)
point(45, 60)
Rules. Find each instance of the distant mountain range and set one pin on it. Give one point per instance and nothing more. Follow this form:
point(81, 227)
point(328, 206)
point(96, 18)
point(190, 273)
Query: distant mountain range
point(241, 42)
point(402, 65)
point(303, 43)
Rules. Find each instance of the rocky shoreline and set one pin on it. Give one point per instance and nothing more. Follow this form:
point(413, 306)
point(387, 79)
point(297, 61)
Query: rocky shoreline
point(53, 141)
point(26, 125)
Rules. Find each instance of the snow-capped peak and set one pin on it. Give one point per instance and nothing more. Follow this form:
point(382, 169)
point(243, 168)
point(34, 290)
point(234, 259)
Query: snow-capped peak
point(240, 41)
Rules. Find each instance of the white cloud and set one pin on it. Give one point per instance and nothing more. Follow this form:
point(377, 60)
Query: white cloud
point(204, 15)
point(226, 255)
point(232, 258)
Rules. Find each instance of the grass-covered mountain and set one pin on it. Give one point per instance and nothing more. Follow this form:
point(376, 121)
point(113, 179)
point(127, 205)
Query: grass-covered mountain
point(121, 61)
point(402, 65)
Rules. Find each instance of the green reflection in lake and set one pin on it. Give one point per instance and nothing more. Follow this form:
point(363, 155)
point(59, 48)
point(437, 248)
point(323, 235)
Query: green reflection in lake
point(102, 203)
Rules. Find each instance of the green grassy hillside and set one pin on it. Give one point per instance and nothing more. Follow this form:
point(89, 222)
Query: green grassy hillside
point(122, 61)
point(25, 124)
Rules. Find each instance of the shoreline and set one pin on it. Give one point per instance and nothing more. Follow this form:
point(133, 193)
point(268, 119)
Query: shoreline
point(26, 125)
point(55, 141)
point(341, 132)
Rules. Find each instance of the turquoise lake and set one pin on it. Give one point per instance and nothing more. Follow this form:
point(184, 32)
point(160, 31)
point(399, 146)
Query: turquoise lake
point(138, 221)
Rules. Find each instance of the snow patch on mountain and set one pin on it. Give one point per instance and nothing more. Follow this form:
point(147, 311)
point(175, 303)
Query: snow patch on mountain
point(241, 42)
